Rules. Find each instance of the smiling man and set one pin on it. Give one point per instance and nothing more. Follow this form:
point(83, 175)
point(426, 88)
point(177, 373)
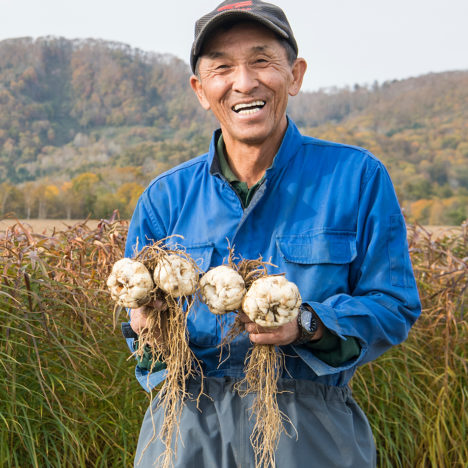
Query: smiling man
point(324, 213)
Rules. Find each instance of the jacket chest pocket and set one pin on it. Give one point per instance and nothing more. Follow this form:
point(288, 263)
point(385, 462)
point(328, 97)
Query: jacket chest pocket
point(201, 254)
point(202, 325)
point(318, 262)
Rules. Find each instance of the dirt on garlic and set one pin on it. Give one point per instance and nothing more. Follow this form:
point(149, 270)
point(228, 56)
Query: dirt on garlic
point(272, 301)
point(130, 283)
point(176, 275)
point(222, 289)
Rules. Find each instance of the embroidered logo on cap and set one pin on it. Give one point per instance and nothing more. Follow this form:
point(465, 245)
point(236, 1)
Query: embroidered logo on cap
point(237, 6)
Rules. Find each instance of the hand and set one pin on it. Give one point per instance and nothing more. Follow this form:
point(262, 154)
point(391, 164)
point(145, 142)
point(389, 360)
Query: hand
point(138, 319)
point(283, 335)
point(138, 316)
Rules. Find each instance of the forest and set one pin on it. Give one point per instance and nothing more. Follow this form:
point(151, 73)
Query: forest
point(86, 124)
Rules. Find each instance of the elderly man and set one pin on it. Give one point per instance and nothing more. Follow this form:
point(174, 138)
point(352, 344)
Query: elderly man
point(325, 213)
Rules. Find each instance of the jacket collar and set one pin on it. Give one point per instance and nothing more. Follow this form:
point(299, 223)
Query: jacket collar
point(290, 145)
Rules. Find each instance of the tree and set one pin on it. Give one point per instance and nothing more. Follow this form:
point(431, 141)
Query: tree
point(11, 200)
point(128, 195)
point(84, 187)
point(69, 201)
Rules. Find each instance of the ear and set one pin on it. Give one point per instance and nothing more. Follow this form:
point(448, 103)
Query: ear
point(197, 87)
point(298, 71)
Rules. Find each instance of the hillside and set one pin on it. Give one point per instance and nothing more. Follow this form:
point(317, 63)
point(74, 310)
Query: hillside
point(84, 125)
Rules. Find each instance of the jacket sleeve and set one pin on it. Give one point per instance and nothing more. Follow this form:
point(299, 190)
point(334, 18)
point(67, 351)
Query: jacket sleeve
point(145, 227)
point(383, 302)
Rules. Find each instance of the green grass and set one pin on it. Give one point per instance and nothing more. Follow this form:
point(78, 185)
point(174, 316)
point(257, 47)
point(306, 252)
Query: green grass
point(68, 396)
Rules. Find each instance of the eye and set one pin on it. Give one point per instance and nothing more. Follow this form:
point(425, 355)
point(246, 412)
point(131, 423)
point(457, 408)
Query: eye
point(261, 62)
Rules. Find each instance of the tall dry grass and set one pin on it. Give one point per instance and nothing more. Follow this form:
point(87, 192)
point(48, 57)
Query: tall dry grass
point(416, 395)
point(68, 397)
point(67, 394)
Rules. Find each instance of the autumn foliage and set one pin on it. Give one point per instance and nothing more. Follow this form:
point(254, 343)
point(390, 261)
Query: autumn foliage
point(86, 124)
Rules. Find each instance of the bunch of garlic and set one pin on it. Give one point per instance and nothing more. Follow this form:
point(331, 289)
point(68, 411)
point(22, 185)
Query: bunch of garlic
point(130, 283)
point(222, 289)
point(272, 301)
point(176, 276)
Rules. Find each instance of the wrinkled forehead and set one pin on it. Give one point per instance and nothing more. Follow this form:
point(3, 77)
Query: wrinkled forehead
point(227, 36)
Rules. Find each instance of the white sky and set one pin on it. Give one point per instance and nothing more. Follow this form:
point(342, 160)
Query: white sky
point(343, 41)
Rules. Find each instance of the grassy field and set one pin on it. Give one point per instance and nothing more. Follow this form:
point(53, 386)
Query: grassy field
point(68, 394)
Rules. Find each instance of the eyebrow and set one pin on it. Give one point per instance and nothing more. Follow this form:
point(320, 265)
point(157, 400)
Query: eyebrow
point(217, 54)
point(260, 49)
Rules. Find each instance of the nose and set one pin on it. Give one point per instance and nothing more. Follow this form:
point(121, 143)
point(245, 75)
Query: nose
point(244, 79)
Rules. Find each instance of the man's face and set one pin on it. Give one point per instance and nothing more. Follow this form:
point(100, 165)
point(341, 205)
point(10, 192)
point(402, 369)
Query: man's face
point(245, 79)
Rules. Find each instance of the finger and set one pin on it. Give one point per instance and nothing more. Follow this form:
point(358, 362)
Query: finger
point(158, 305)
point(252, 327)
point(283, 335)
point(138, 311)
point(138, 319)
point(264, 338)
point(137, 325)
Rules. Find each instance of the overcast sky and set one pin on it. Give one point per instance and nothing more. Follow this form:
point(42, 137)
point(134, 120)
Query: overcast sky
point(344, 42)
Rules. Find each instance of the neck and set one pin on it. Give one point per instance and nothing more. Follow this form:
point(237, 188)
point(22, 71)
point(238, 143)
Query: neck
point(250, 161)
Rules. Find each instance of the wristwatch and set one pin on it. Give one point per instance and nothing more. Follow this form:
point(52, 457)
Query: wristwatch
point(308, 324)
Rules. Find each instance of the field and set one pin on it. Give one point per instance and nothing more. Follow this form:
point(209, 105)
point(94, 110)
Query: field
point(67, 390)
point(46, 226)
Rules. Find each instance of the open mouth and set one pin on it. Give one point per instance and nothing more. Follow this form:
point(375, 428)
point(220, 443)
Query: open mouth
point(248, 108)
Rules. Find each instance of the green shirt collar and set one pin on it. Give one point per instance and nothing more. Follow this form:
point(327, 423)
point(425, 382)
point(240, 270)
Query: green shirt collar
point(245, 193)
point(225, 168)
point(224, 165)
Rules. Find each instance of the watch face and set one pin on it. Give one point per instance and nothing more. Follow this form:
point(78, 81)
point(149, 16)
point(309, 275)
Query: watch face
point(308, 322)
point(308, 325)
point(306, 318)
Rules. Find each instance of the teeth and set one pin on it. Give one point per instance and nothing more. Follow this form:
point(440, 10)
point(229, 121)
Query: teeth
point(249, 111)
point(247, 108)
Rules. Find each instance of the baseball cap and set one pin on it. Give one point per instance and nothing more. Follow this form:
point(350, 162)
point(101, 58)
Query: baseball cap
point(267, 14)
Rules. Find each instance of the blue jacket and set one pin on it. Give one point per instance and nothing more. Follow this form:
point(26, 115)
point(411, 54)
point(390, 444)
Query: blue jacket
point(326, 215)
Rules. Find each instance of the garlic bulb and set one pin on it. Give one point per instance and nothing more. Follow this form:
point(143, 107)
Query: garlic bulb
point(176, 276)
point(222, 289)
point(130, 283)
point(272, 301)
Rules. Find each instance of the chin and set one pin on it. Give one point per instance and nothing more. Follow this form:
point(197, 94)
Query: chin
point(254, 140)
point(253, 136)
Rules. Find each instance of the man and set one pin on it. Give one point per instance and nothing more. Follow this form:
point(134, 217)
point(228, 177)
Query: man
point(326, 214)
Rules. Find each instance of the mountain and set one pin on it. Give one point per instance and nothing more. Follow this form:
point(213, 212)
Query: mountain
point(104, 113)
point(58, 96)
